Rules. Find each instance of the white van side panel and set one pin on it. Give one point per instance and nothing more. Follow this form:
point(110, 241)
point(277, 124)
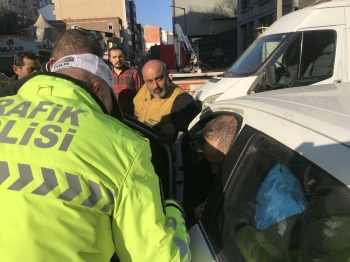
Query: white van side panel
point(324, 17)
point(347, 16)
point(288, 23)
point(330, 13)
point(347, 56)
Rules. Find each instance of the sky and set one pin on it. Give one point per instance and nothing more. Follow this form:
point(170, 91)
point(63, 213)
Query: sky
point(155, 12)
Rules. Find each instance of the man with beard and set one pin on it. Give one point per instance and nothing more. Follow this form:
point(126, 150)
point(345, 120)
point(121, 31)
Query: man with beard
point(162, 104)
point(127, 81)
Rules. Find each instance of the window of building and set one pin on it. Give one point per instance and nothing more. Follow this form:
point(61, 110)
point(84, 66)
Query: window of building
point(244, 5)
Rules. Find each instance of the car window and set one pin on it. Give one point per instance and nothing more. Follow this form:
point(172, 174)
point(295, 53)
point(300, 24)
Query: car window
point(278, 206)
point(318, 53)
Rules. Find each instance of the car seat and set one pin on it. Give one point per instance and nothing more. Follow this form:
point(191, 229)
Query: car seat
point(323, 65)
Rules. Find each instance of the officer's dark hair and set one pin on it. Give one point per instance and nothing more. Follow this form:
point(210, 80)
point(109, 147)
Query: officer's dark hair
point(76, 41)
point(115, 48)
point(19, 57)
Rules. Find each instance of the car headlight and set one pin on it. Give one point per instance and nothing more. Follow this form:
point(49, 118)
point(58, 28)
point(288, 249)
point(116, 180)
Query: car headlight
point(209, 100)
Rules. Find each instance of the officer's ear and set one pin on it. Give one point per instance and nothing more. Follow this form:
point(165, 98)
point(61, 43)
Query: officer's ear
point(96, 88)
point(52, 61)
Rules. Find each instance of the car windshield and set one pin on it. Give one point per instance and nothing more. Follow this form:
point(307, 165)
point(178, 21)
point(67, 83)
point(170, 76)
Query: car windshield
point(256, 54)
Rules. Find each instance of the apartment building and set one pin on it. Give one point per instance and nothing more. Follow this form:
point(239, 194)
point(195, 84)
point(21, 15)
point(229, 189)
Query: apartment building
point(140, 42)
point(136, 34)
point(110, 16)
point(153, 35)
point(193, 16)
point(253, 15)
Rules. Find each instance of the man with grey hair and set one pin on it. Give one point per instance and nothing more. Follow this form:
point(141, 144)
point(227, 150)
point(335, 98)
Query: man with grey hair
point(79, 185)
point(162, 104)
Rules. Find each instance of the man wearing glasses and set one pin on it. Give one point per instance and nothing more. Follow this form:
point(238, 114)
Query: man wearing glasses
point(162, 104)
point(24, 63)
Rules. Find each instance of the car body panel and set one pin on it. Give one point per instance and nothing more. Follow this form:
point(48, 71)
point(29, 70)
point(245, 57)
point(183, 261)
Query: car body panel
point(312, 122)
point(309, 17)
point(223, 85)
point(320, 116)
point(200, 250)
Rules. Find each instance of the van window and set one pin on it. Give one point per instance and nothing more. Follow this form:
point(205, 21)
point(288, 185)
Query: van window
point(257, 53)
point(278, 206)
point(309, 55)
point(318, 53)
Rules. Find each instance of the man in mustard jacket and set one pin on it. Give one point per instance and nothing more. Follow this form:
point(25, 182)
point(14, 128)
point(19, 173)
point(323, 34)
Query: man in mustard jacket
point(75, 183)
point(162, 104)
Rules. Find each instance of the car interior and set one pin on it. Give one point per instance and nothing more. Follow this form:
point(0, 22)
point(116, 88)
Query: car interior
point(296, 235)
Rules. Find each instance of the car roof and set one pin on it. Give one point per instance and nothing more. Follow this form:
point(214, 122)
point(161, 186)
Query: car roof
point(312, 120)
point(322, 108)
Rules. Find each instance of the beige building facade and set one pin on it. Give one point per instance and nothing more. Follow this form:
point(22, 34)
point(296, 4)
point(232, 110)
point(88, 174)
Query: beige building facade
point(84, 9)
point(102, 15)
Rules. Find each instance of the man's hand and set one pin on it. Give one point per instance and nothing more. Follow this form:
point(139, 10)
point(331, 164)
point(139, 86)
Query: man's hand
point(166, 134)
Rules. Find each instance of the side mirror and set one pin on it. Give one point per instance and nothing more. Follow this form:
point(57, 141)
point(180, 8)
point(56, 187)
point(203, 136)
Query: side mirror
point(270, 76)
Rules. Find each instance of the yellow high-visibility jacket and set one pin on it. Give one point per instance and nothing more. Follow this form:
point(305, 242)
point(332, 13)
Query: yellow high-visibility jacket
point(78, 185)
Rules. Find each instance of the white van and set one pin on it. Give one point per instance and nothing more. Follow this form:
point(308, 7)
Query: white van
point(307, 47)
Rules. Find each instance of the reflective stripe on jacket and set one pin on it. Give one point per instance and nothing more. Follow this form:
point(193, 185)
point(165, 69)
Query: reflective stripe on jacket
point(78, 185)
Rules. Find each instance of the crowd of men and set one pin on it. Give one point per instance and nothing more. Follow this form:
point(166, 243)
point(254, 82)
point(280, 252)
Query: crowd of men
point(79, 185)
point(142, 91)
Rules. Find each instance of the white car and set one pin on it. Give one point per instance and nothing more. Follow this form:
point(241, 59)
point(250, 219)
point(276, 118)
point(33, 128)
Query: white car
point(302, 132)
